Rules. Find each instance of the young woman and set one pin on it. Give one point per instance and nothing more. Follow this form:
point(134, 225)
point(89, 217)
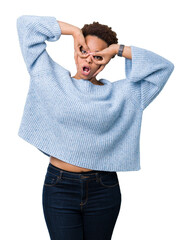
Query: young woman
point(89, 128)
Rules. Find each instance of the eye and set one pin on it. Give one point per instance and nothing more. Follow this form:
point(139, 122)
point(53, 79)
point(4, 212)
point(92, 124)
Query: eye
point(83, 51)
point(98, 57)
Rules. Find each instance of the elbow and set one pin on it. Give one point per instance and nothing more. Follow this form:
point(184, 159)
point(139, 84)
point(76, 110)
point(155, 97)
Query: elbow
point(21, 21)
point(168, 70)
point(171, 67)
point(24, 20)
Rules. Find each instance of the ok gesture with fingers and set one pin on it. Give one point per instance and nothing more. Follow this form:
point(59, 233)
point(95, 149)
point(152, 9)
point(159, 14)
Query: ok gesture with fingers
point(104, 56)
point(79, 41)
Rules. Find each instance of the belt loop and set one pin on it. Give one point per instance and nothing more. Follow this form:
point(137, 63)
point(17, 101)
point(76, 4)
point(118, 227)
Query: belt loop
point(60, 174)
point(97, 177)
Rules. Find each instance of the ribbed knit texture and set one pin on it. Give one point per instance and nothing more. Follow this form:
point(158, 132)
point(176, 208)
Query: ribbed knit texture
point(91, 126)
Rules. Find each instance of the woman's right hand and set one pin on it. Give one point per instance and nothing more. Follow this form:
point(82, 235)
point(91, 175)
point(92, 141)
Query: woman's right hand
point(79, 42)
point(76, 32)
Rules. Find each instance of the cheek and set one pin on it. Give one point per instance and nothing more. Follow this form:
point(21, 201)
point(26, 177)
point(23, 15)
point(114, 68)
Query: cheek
point(76, 58)
point(97, 67)
point(79, 62)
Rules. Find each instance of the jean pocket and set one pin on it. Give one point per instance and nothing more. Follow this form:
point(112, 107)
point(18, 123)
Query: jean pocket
point(51, 179)
point(109, 180)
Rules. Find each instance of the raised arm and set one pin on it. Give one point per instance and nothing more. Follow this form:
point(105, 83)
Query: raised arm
point(67, 29)
point(147, 73)
point(79, 40)
point(126, 51)
point(33, 31)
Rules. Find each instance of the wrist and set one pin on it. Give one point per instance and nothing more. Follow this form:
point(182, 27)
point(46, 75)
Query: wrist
point(116, 48)
point(76, 31)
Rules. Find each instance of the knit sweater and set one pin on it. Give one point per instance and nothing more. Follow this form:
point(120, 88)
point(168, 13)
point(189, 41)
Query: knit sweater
point(90, 126)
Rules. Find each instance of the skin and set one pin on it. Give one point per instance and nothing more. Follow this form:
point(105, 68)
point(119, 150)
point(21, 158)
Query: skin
point(91, 44)
point(97, 55)
point(94, 44)
point(85, 54)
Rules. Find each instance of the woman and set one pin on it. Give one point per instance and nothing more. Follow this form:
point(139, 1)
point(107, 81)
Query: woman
point(90, 129)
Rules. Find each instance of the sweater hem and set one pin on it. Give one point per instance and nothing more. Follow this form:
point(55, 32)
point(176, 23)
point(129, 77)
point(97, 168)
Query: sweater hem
point(76, 162)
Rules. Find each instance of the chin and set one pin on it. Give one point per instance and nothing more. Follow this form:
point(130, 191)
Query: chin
point(87, 77)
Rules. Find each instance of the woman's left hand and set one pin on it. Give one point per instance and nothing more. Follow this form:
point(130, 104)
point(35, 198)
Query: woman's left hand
point(103, 57)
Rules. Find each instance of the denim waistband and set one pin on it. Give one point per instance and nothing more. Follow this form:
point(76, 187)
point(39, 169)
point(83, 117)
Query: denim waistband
point(76, 175)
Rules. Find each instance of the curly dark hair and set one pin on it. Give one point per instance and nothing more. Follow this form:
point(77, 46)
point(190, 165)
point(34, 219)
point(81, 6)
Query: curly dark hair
point(101, 31)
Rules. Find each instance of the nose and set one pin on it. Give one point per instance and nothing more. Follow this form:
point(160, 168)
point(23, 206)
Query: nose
point(89, 59)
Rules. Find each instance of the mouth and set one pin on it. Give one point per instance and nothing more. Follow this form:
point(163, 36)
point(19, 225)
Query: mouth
point(85, 70)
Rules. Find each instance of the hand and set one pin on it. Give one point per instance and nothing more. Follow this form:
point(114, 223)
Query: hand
point(99, 70)
point(104, 56)
point(79, 41)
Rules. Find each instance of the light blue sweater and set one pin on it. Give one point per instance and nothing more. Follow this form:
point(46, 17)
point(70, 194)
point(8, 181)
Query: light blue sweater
point(91, 126)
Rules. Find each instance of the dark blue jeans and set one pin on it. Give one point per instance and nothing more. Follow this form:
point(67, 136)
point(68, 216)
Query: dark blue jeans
point(80, 205)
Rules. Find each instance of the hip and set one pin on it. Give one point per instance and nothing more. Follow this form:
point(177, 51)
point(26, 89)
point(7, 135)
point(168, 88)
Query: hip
point(81, 190)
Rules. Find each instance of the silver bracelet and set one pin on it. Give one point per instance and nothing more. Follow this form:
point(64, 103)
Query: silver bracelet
point(120, 51)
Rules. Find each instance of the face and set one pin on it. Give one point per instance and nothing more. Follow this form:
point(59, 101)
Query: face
point(95, 44)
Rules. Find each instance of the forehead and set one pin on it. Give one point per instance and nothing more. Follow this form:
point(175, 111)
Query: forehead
point(94, 43)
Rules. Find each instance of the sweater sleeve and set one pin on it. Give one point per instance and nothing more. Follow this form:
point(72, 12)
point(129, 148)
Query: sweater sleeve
point(33, 31)
point(147, 74)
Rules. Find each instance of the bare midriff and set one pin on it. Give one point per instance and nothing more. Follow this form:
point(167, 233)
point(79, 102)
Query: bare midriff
point(67, 166)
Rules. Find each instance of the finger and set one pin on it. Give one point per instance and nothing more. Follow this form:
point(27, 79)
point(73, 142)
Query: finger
point(98, 61)
point(98, 71)
point(80, 53)
point(85, 47)
point(100, 53)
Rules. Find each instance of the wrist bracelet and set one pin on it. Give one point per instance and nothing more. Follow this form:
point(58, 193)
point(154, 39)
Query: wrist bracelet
point(120, 51)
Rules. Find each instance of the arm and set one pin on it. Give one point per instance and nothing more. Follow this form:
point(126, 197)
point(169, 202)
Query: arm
point(33, 31)
point(67, 29)
point(109, 53)
point(147, 73)
point(126, 51)
point(79, 40)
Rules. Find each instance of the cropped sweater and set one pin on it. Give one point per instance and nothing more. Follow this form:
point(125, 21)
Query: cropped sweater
point(90, 126)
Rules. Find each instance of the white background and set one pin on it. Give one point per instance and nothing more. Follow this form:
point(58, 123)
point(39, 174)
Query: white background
point(156, 201)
